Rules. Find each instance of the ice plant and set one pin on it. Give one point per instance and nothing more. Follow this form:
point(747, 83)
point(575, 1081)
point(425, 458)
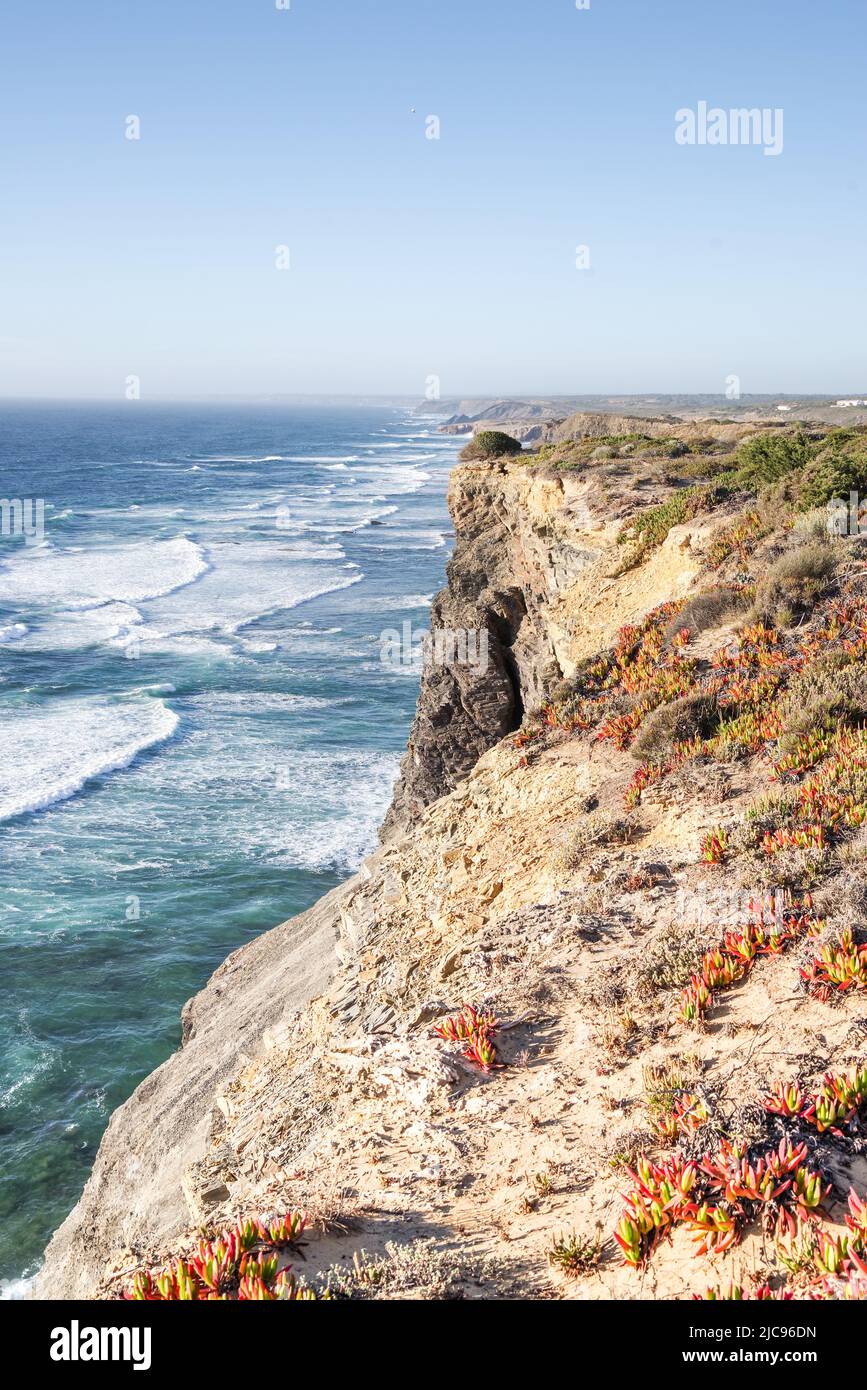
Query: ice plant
point(763, 1179)
point(808, 751)
point(475, 1028)
point(808, 1191)
point(735, 1292)
point(665, 1127)
point(463, 1026)
point(252, 1288)
point(688, 1113)
point(714, 846)
point(804, 837)
point(840, 966)
point(247, 1233)
point(716, 1228)
point(787, 1101)
point(719, 971)
point(213, 1263)
point(143, 1287)
point(481, 1050)
point(856, 1220)
point(286, 1288)
point(695, 999)
point(631, 1233)
point(838, 1101)
point(659, 1198)
point(831, 1253)
point(283, 1230)
point(242, 1263)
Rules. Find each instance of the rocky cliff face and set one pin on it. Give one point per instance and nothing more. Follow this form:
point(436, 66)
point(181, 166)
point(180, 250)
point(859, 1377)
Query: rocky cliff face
point(512, 871)
point(527, 543)
point(499, 577)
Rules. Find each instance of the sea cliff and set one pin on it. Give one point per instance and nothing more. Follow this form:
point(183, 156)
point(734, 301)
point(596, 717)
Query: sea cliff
point(517, 868)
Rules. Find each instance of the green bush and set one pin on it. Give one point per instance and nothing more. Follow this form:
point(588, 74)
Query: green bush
point(651, 526)
point(838, 469)
point(765, 458)
point(490, 444)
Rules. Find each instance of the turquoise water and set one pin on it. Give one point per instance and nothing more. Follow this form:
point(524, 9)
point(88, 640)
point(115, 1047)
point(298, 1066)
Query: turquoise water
point(198, 736)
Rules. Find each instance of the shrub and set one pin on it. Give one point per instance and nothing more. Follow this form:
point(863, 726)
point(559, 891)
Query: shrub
point(670, 961)
point(490, 444)
point(600, 828)
point(652, 526)
point(765, 458)
point(666, 449)
point(677, 722)
point(707, 611)
point(420, 1270)
point(829, 690)
point(838, 469)
point(795, 581)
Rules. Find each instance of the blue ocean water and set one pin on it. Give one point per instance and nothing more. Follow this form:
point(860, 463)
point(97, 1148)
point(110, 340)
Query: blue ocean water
point(197, 735)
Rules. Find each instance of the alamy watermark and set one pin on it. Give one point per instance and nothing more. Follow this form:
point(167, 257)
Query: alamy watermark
point(23, 516)
point(844, 518)
point(712, 125)
point(77, 1343)
point(412, 647)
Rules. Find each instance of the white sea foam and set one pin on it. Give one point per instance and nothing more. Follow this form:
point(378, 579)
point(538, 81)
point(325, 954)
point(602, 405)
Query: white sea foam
point(350, 792)
point(16, 1289)
point(385, 602)
point(47, 754)
point(87, 627)
point(247, 580)
point(276, 458)
point(85, 578)
point(338, 459)
point(259, 702)
point(253, 647)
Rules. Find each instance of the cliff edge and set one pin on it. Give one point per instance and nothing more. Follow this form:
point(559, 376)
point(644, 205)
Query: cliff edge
point(581, 822)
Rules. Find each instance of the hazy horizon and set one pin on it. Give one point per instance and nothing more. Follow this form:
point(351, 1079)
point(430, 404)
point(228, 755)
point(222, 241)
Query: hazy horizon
point(435, 406)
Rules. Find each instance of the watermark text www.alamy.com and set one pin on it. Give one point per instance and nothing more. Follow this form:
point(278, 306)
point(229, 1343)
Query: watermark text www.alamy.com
point(742, 125)
point(445, 646)
point(23, 516)
point(77, 1343)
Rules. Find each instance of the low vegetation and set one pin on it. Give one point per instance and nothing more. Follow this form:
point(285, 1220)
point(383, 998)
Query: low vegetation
point(794, 582)
point(490, 444)
point(244, 1264)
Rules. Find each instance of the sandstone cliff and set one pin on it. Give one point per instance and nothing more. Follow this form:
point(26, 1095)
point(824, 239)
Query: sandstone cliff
point(512, 871)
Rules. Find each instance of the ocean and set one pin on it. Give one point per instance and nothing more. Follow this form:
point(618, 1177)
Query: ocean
point(198, 736)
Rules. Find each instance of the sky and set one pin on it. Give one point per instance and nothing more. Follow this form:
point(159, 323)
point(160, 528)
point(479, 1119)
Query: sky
point(285, 224)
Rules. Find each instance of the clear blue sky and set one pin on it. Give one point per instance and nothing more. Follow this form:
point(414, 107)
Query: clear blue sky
point(412, 257)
